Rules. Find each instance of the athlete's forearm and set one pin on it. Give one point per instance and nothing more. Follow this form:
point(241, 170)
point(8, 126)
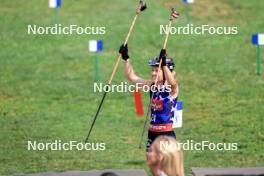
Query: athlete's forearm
point(169, 76)
point(131, 76)
point(128, 69)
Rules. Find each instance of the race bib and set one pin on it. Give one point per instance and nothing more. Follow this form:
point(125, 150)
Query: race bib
point(177, 119)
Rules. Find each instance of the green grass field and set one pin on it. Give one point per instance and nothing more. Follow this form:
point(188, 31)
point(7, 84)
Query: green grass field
point(46, 84)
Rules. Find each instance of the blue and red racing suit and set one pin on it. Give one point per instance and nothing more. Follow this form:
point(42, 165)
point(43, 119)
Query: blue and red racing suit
point(162, 113)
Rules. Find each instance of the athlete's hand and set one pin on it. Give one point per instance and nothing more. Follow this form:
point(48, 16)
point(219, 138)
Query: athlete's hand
point(163, 57)
point(123, 50)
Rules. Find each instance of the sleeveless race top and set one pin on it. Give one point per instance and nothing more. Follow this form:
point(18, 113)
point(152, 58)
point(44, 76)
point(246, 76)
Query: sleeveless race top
point(162, 110)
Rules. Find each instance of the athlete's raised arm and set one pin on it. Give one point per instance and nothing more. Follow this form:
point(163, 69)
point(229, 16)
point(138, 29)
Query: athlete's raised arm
point(170, 74)
point(128, 69)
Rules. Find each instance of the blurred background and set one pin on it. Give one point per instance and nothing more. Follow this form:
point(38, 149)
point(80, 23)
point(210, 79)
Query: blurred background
point(46, 83)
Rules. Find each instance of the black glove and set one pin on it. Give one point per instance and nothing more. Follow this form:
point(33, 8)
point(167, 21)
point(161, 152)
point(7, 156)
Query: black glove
point(142, 8)
point(163, 57)
point(123, 50)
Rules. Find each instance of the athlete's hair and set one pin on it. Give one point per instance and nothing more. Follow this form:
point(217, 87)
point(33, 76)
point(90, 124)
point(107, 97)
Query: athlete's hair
point(170, 154)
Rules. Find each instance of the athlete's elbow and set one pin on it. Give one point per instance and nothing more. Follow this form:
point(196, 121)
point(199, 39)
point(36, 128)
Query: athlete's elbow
point(132, 80)
point(129, 77)
point(173, 85)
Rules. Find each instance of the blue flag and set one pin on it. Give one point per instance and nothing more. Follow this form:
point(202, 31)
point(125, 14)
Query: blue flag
point(95, 45)
point(258, 39)
point(54, 3)
point(188, 1)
